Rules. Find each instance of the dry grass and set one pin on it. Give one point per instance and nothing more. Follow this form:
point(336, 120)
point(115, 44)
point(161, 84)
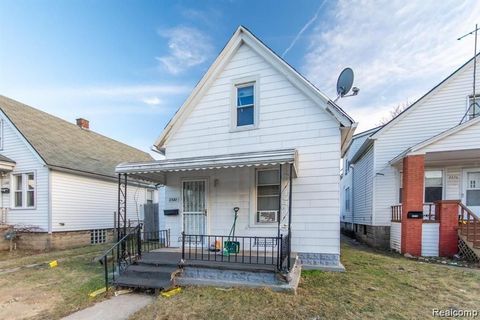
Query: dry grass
point(375, 286)
point(42, 292)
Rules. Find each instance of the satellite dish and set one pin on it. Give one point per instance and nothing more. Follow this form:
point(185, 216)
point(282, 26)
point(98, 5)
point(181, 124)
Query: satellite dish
point(344, 82)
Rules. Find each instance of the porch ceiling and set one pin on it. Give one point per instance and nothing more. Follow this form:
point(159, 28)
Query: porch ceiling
point(154, 171)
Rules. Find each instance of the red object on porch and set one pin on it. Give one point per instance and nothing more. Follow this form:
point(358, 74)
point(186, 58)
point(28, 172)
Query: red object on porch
point(447, 211)
point(412, 196)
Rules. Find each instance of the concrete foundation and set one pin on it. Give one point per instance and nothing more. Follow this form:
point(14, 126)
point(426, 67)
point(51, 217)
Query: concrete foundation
point(374, 236)
point(204, 276)
point(320, 261)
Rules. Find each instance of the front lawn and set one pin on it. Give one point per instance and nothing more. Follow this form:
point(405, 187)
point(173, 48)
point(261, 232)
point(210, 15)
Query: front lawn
point(376, 286)
point(30, 289)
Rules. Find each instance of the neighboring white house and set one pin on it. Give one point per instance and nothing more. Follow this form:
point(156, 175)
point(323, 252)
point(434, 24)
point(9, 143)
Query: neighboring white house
point(58, 179)
point(252, 130)
point(446, 138)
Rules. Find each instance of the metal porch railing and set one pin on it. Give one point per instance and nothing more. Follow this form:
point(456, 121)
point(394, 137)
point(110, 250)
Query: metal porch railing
point(274, 251)
point(129, 249)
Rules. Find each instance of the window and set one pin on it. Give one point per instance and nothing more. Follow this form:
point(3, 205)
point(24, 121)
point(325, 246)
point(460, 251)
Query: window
point(473, 109)
point(400, 188)
point(98, 236)
point(347, 199)
point(149, 196)
point(245, 105)
point(24, 190)
point(268, 196)
point(473, 189)
point(18, 190)
point(433, 186)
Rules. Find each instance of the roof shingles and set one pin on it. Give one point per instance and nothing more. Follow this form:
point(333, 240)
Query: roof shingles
point(65, 145)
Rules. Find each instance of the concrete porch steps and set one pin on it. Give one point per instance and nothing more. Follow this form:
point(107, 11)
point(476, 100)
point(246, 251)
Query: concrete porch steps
point(150, 272)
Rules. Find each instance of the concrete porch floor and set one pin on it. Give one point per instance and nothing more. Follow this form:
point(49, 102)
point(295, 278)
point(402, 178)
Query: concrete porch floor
point(219, 273)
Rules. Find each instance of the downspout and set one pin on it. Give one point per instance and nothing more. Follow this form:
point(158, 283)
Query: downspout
point(49, 195)
point(351, 196)
point(289, 216)
point(279, 203)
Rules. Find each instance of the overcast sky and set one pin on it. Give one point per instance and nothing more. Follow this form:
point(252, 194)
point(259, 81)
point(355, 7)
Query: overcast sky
point(127, 66)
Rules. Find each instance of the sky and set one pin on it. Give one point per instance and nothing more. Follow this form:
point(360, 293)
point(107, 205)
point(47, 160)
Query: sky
point(127, 66)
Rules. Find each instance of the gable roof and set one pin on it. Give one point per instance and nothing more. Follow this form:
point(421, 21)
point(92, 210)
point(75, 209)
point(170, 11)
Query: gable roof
point(363, 138)
point(413, 105)
point(64, 145)
point(243, 36)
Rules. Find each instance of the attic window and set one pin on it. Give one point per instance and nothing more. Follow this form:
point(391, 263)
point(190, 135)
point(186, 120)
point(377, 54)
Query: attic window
point(473, 108)
point(245, 105)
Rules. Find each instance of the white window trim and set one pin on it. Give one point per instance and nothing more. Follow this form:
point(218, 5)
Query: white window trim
point(254, 222)
point(443, 182)
point(152, 192)
point(238, 83)
point(470, 96)
point(24, 190)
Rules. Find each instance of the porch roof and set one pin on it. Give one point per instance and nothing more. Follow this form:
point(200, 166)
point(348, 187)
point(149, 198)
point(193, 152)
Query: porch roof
point(154, 171)
point(460, 138)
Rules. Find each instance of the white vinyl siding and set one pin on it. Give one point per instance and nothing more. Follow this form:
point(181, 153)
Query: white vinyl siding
point(363, 188)
point(287, 119)
point(396, 236)
point(430, 238)
point(439, 111)
point(17, 149)
point(84, 203)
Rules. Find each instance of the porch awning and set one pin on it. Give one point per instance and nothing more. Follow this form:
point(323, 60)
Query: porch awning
point(154, 171)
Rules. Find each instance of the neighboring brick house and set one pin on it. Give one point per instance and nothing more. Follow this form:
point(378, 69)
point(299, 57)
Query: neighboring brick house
point(426, 156)
point(58, 178)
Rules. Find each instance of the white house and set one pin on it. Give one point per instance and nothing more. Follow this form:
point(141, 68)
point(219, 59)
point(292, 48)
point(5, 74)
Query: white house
point(256, 135)
point(428, 153)
point(58, 179)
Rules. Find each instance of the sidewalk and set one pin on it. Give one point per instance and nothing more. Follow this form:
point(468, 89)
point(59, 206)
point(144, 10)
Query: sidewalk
point(116, 308)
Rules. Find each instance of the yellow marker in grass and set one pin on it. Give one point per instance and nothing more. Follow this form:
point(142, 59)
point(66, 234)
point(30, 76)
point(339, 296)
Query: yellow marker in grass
point(171, 292)
point(53, 264)
point(97, 292)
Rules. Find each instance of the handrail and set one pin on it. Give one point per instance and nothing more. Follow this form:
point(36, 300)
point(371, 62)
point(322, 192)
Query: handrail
point(468, 223)
point(464, 207)
point(130, 248)
point(119, 241)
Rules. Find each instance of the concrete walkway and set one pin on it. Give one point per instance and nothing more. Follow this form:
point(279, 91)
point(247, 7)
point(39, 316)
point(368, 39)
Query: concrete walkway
point(116, 308)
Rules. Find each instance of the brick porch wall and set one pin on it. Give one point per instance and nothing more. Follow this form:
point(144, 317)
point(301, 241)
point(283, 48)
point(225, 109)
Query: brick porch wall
point(412, 196)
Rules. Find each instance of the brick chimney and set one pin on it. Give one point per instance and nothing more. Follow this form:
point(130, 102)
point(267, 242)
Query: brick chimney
point(83, 123)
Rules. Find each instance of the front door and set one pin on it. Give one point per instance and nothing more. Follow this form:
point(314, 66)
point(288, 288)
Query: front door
point(194, 207)
point(471, 194)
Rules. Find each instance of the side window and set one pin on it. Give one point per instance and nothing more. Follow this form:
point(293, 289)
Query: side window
point(149, 196)
point(24, 190)
point(473, 107)
point(268, 195)
point(245, 105)
point(347, 199)
point(433, 186)
point(400, 188)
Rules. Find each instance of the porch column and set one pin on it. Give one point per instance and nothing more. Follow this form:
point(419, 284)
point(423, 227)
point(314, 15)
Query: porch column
point(447, 213)
point(412, 200)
